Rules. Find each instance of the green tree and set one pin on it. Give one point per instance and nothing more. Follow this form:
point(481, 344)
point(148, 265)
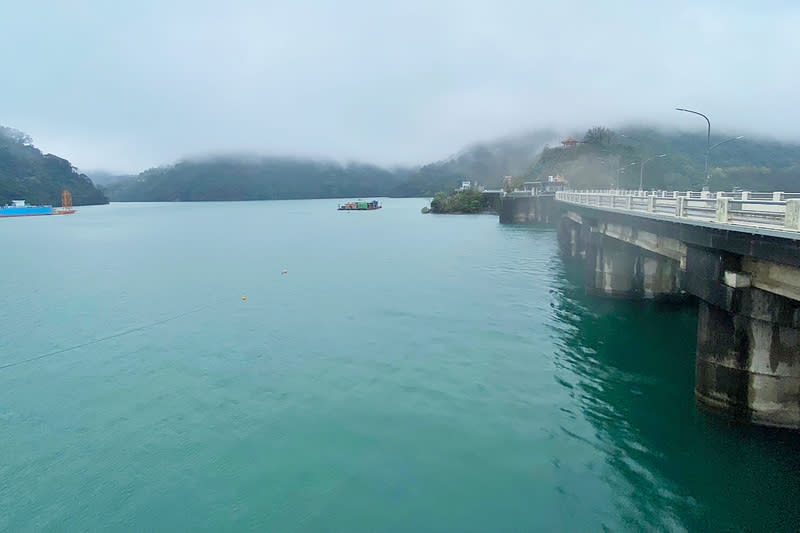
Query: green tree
point(27, 174)
point(598, 136)
point(469, 201)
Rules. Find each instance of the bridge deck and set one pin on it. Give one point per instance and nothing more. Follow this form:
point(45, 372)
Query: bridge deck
point(775, 218)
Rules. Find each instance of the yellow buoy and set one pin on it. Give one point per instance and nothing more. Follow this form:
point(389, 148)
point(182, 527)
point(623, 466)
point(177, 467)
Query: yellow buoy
point(244, 298)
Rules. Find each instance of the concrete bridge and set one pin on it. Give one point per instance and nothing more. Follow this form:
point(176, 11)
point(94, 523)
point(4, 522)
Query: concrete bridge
point(737, 253)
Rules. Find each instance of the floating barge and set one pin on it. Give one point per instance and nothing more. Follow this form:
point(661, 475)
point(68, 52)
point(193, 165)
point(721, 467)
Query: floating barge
point(360, 206)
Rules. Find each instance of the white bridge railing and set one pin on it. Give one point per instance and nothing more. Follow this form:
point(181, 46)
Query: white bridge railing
point(758, 209)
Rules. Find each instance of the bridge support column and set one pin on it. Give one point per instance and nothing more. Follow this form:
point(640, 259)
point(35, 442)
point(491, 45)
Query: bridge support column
point(621, 270)
point(569, 238)
point(612, 269)
point(748, 360)
point(518, 210)
point(527, 209)
point(660, 277)
point(748, 342)
point(747, 281)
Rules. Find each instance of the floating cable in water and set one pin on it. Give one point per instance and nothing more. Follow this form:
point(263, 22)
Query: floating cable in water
point(103, 339)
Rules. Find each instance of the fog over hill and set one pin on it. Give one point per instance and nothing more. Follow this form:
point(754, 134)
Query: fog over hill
point(602, 158)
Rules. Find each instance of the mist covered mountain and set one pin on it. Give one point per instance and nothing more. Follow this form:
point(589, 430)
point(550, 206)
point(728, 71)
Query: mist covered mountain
point(674, 161)
point(267, 178)
point(601, 158)
point(485, 163)
point(273, 178)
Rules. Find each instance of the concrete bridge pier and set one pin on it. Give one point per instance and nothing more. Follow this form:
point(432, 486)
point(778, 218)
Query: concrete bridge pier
point(739, 256)
point(621, 270)
point(616, 268)
point(527, 209)
point(748, 367)
point(569, 238)
point(748, 343)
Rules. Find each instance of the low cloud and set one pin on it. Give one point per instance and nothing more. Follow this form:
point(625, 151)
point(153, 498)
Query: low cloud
point(129, 87)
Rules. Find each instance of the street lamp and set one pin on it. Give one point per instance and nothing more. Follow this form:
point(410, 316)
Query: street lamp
point(708, 138)
point(622, 169)
point(708, 178)
point(726, 141)
point(641, 168)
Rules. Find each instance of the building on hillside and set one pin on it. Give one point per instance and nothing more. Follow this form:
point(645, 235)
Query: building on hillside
point(569, 142)
point(549, 187)
point(465, 185)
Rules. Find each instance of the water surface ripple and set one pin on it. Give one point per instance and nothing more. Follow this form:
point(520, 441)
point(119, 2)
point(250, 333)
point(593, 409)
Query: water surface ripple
point(409, 373)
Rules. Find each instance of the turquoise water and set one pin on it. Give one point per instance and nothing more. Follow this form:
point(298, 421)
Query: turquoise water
point(408, 373)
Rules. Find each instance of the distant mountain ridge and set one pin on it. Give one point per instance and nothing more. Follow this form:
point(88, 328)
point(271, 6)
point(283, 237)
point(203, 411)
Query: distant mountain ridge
point(274, 178)
point(256, 178)
point(28, 174)
point(603, 158)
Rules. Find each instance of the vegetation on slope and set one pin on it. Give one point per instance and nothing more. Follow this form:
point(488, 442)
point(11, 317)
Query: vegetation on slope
point(254, 179)
point(27, 174)
point(595, 162)
point(469, 201)
point(283, 178)
point(605, 158)
point(484, 163)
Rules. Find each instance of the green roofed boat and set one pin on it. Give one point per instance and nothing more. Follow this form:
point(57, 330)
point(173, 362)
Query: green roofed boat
point(360, 206)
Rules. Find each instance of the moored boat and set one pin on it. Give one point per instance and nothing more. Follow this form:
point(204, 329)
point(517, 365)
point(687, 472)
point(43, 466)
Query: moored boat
point(360, 206)
point(19, 208)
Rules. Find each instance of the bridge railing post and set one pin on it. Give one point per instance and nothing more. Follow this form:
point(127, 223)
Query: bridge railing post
point(792, 220)
point(745, 196)
point(777, 196)
point(651, 203)
point(680, 206)
point(722, 210)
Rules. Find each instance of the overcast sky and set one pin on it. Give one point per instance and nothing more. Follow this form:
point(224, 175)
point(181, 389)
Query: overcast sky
point(125, 86)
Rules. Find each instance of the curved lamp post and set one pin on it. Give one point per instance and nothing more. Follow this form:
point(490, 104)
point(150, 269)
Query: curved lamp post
point(641, 168)
point(708, 137)
point(708, 178)
point(709, 147)
point(621, 170)
point(726, 141)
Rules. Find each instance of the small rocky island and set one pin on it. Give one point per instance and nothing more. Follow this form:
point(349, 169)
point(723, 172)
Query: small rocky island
point(458, 202)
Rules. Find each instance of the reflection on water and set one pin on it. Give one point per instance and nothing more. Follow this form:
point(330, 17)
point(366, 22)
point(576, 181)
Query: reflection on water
point(630, 366)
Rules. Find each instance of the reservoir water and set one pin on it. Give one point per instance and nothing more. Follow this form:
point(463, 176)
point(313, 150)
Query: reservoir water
point(408, 373)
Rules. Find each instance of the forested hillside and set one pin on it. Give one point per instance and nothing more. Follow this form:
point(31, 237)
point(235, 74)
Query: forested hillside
point(604, 157)
point(254, 179)
point(28, 174)
point(267, 178)
point(485, 163)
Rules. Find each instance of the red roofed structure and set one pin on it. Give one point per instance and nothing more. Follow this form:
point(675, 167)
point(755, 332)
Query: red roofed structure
point(570, 142)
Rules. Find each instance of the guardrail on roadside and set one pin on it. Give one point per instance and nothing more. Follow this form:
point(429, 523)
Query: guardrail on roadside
point(759, 209)
point(518, 194)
